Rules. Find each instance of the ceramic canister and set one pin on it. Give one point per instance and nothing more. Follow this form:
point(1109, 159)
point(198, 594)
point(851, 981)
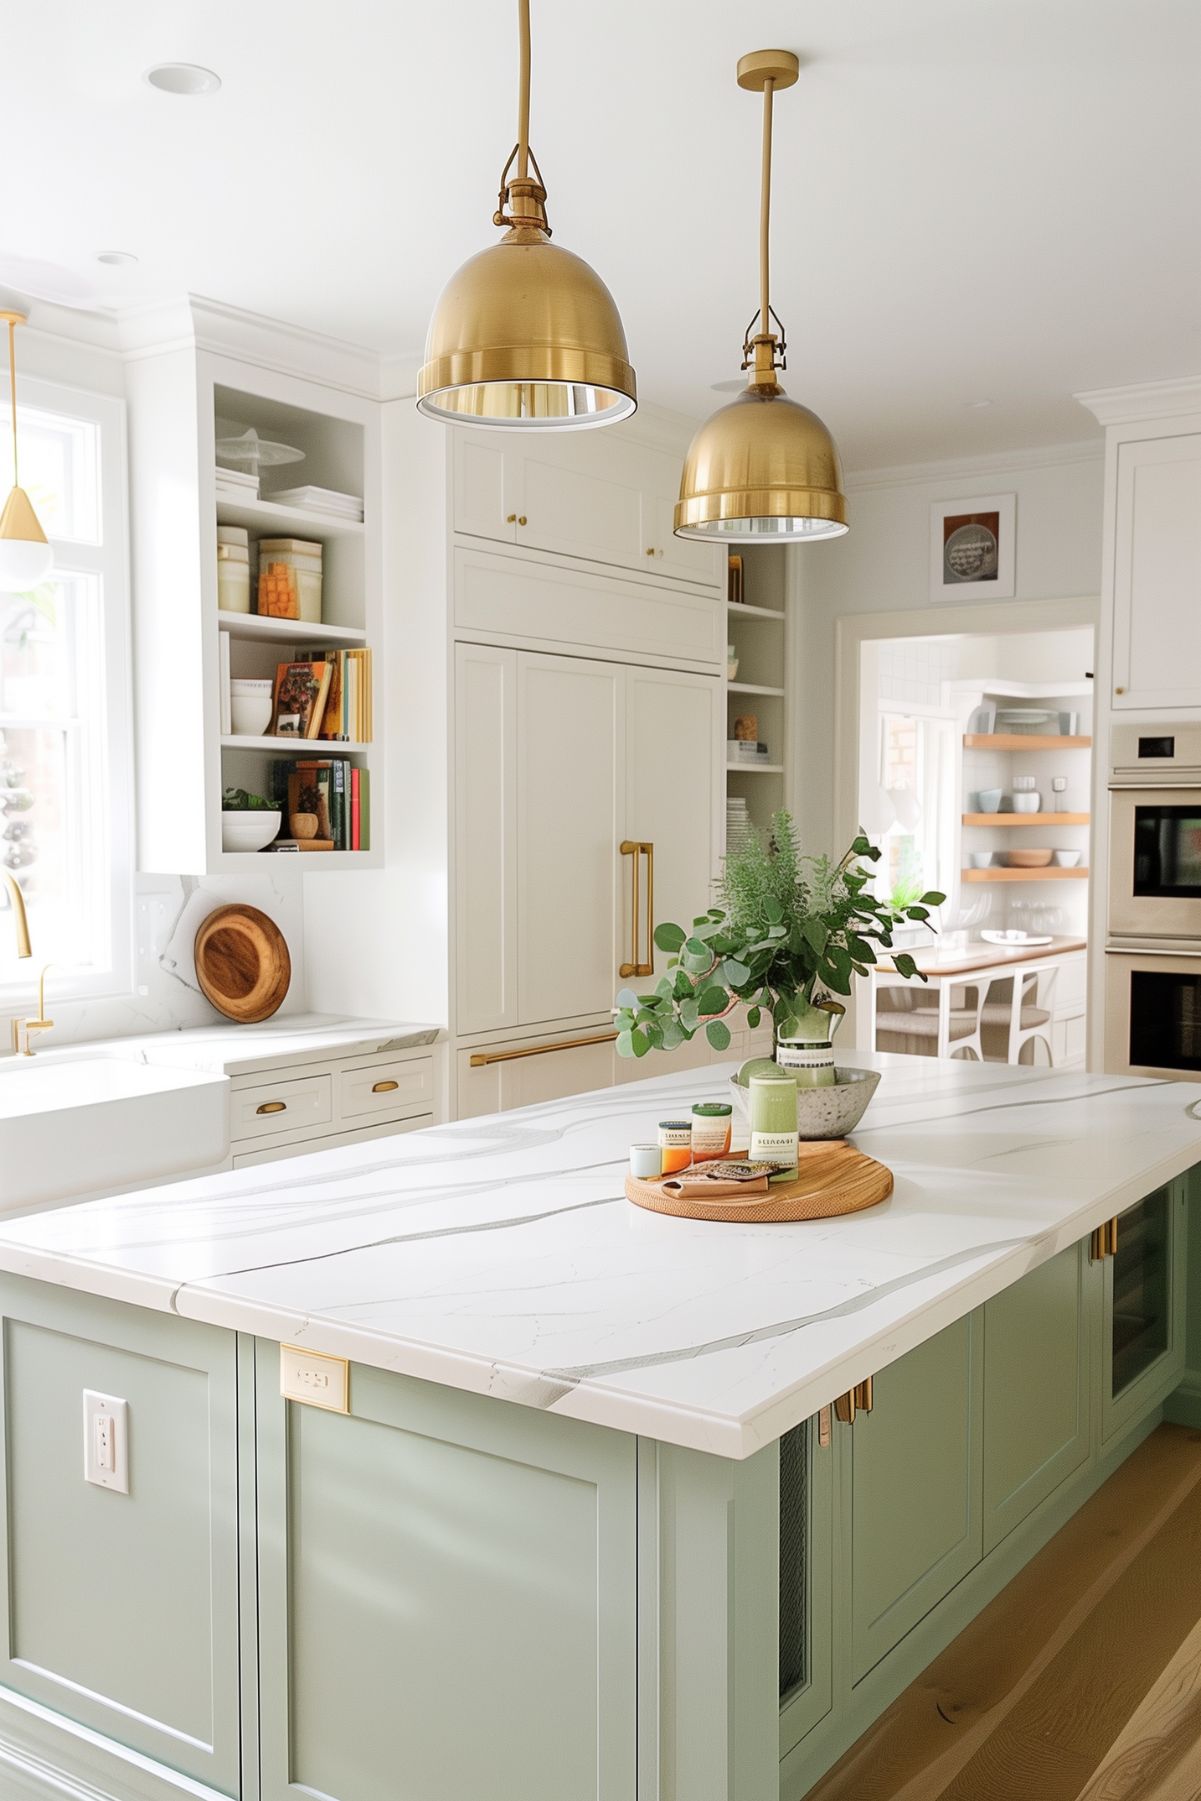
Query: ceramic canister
point(712, 1126)
point(811, 1064)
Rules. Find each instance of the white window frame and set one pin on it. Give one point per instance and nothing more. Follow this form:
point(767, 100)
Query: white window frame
point(108, 561)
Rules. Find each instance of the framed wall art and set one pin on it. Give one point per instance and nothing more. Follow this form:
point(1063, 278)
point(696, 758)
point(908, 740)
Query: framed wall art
point(972, 546)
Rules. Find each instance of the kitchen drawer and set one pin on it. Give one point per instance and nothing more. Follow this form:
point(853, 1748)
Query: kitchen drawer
point(333, 1140)
point(266, 1108)
point(379, 1088)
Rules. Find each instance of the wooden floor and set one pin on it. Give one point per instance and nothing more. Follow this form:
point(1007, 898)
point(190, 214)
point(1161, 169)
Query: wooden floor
point(1082, 1680)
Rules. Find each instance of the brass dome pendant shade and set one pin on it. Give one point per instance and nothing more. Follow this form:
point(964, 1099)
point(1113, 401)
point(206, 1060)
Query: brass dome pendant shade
point(525, 334)
point(763, 470)
point(25, 556)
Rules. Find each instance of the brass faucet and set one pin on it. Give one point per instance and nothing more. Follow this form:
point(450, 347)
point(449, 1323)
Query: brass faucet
point(21, 1028)
point(20, 917)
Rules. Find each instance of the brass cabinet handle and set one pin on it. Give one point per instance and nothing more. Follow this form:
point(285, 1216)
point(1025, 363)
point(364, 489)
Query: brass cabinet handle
point(383, 1087)
point(635, 848)
point(825, 1428)
point(481, 1059)
point(272, 1107)
point(1104, 1242)
point(1119, 690)
point(860, 1399)
point(521, 519)
point(510, 519)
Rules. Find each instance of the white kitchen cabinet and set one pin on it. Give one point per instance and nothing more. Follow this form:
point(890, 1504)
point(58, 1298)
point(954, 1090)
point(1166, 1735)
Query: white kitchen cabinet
point(1157, 573)
point(593, 496)
point(601, 754)
point(525, 1072)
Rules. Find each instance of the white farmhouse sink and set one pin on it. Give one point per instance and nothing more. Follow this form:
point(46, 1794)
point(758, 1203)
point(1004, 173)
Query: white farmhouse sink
point(79, 1125)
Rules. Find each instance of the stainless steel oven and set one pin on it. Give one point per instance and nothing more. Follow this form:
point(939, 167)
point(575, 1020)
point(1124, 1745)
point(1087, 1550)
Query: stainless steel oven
point(1155, 833)
point(1153, 1012)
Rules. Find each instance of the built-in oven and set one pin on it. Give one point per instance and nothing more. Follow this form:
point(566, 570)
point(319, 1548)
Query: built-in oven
point(1153, 1012)
point(1155, 833)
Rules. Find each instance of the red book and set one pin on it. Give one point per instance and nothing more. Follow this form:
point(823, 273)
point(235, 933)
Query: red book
point(355, 811)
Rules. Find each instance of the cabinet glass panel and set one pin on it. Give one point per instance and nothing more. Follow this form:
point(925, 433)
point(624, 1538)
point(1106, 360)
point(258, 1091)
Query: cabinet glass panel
point(1165, 1019)
point(1141, 1293)
point(794, 1560)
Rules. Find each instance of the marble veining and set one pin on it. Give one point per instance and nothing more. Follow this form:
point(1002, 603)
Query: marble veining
point(500, 1255)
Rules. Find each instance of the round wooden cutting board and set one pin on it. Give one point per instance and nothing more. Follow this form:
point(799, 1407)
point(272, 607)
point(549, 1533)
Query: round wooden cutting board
point(832, 1178)
point(242, 964)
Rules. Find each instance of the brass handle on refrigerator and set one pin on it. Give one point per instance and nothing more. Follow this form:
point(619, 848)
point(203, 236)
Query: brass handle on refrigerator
point(860, 1399)
point(635, 848)
point(1104, 1242)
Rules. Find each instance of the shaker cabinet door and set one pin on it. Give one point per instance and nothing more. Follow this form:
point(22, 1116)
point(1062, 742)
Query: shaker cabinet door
point(447, 1598)
point(915, 1498)
point(486, 889)
point(1157, 573)
point(484, 486)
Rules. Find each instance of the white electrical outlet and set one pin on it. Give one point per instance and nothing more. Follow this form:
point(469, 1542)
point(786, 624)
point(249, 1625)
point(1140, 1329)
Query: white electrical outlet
point(106, 1441)
point(314, 1378)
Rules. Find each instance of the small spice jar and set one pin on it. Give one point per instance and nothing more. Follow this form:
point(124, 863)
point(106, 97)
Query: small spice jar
point(675, 1145)
point(712, 1126)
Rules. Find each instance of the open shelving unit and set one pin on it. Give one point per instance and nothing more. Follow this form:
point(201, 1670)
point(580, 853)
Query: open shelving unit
point(1025, 875)
point(182, 399)
point(756, 628)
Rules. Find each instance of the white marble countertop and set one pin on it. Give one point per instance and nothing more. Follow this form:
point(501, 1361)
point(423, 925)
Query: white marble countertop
point(500, 1254)
point(233, 1050)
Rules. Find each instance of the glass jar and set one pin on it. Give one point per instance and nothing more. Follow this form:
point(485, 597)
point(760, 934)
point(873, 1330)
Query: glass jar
point(290, 579)
point(712, 1128)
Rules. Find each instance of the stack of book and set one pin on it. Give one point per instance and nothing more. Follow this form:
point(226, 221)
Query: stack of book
point(739, 830)
point(237, 484)
point(327, 695)
point(746, 750)
point(330, 790)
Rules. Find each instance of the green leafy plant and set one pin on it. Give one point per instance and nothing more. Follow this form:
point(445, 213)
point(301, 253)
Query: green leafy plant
point(240, 800)
point(789, 934)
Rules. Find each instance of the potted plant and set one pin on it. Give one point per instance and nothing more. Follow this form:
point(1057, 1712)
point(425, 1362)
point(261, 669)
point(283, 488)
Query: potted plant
point(789, 935)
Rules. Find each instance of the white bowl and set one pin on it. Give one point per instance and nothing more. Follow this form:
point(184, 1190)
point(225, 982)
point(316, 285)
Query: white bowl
point(1067, 859)
point(1027, 803)
point(250, 714)
point(249, 830)
point(980, 859)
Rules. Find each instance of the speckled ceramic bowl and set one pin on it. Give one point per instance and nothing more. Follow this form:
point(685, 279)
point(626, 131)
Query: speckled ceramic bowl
point(826, 1112)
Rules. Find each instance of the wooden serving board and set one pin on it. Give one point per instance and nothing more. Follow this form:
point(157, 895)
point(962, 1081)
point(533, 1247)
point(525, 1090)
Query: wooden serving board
point(833, 1177)
point(242, 963)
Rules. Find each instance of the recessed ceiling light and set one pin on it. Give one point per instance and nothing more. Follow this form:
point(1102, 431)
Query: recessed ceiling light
point(978, 406)
point(116, 259)
point(183, 78)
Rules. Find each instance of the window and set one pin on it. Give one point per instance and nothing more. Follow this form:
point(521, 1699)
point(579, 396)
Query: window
point(917, 773)
point(65, 729)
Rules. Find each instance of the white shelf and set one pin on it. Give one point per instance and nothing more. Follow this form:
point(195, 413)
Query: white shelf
point(290, 522)
point(310, 747)
point(739, 609)
point(754, 768)
point(234, 862)
point(753, 688)
point(288, 631)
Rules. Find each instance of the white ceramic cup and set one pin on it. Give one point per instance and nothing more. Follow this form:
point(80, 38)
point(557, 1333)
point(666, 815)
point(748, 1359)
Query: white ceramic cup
point(250, 714)
point(1027, 803)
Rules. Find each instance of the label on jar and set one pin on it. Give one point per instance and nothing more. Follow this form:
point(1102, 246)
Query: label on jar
point(778, 1148)
point(710, 1135)
point(811, 1064)
point(675, 1145)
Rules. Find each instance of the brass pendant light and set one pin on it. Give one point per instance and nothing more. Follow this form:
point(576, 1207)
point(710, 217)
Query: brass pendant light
point(25, 556)
point(525, 334)
point(763, 470)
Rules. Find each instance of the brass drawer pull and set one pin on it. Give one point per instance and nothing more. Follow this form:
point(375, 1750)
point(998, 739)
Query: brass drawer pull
point(480, 1059)
point(272, 1107)
point(383, 1087)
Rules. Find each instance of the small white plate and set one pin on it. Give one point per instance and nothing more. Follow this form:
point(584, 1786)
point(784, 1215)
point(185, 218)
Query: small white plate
point(1014, 939)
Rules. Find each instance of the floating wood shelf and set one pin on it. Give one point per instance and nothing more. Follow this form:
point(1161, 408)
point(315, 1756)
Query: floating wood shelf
point(1023, 741)
point(1025, 875)
point(1026, 818)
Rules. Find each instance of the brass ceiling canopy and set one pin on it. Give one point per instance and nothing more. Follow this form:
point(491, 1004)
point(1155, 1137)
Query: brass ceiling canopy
point(25, 556)
point(526, 334)
point(764, 469)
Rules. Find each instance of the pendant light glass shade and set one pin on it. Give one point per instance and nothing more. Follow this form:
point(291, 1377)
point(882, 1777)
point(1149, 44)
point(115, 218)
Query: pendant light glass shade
point(526, 334)
point(25, 556)
point(764, 469)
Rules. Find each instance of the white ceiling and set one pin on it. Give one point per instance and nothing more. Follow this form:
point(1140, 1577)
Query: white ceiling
point(976, 199)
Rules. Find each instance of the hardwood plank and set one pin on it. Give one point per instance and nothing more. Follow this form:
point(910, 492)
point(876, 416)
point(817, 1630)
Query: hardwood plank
point(921, 1743)
point(1156, 1758)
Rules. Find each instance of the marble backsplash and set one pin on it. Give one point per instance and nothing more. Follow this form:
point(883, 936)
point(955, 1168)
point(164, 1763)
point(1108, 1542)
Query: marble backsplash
point(165, 996)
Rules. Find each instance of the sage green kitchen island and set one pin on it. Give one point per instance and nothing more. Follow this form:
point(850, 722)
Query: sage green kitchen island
point(591, 1527)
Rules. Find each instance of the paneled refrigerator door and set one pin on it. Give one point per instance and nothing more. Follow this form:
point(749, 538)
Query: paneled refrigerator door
point(570, 780)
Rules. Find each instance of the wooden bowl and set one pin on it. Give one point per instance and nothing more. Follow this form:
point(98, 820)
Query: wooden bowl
point(1028, 859)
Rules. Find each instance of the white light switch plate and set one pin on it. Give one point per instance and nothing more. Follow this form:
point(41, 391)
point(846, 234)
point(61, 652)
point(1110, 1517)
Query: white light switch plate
point(106, 1441)
point(312, 1377)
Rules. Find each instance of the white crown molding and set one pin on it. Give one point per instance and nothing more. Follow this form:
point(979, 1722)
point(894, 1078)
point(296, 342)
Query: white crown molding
point(398, 372)
point(955, 469)
point(1144, 400)
point(250, 338)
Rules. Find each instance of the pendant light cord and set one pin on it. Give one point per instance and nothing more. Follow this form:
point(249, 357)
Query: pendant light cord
point(764, 211)
point(523, 92)
point(12, 392)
